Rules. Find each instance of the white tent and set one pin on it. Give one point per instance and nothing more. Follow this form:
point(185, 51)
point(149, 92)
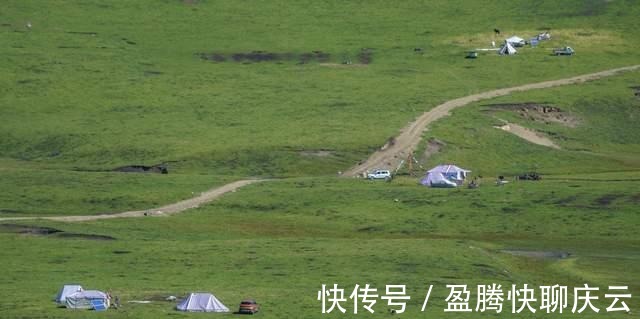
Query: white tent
point(85, 299)
point(516, 41)
point(445, 176)
point(201, 302)
point(65, 291)
point(507, 49)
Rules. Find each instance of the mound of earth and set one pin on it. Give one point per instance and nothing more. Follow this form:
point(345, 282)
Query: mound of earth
point(541, 254)
point(48, 231)
point(23, 229)
point(539, 113)
point(263, 56)
point(159, 169)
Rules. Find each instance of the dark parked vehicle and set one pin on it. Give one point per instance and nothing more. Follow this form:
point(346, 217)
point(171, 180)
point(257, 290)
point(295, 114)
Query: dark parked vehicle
point(533, 176)
point(249, 306)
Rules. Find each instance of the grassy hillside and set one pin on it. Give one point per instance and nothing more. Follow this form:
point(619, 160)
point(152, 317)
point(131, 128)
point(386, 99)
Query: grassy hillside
point(102, 85)
point(603, 139)
point(280, 241)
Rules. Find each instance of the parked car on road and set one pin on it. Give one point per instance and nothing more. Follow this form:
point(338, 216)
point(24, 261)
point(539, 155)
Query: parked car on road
point(380, 174)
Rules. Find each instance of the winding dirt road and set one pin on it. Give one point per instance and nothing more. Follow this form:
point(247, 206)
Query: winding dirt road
point(160, 211)
point(389, 157)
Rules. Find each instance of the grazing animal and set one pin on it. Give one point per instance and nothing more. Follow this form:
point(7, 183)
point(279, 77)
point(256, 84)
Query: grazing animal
point(497, 31)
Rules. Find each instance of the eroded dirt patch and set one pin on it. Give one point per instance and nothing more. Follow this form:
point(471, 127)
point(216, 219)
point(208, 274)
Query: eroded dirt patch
point(84, 236)
point(49, 232)
point(434, 146)
point(158, 169)
point(32, 230)
point(539, 112)
point(636, 91)
point(264, 56)
point(607, 199)
point(316, 153)
point(528, 135)
point(539, 254)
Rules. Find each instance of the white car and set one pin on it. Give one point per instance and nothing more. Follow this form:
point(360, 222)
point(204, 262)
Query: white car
point(380, 174)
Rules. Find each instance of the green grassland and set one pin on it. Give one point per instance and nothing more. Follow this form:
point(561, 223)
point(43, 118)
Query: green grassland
point(96, 85)
point(103, 85)
point(280, 241)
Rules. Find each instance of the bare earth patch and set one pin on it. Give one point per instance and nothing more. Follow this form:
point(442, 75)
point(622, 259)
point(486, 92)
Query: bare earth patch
point(537, 112)
point(528, 135)
point(539, 254)
point(316, 153)
point(434, 146)
point(49, 232)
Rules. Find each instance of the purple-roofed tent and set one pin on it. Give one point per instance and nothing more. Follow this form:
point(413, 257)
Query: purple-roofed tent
point(445, 176)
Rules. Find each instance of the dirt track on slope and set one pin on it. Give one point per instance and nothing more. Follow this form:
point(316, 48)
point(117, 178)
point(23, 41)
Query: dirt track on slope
point(170, 209)
point(390, 157)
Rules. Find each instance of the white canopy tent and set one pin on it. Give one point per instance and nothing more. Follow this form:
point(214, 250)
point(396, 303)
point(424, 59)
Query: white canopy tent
point(516, 41)
point(507, 49)
point(445, 176)
point(201, 302)
point(65, 291)
point(85, 299)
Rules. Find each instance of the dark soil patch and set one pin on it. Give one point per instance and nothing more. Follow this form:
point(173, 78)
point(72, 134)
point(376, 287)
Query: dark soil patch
point(607, 200)
point(128, 41)
point(538, 112)
point(84, 236)
point(541, 254)
point(48, 231)
point(23, 229)
point(159, 169)
point(264, 56)
point(636, 91)
point(566, 201)
point(370, 229)
point(121, 252)
point(83, 33)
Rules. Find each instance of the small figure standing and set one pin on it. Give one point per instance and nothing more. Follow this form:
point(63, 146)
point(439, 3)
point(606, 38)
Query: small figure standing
point(497, 31)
